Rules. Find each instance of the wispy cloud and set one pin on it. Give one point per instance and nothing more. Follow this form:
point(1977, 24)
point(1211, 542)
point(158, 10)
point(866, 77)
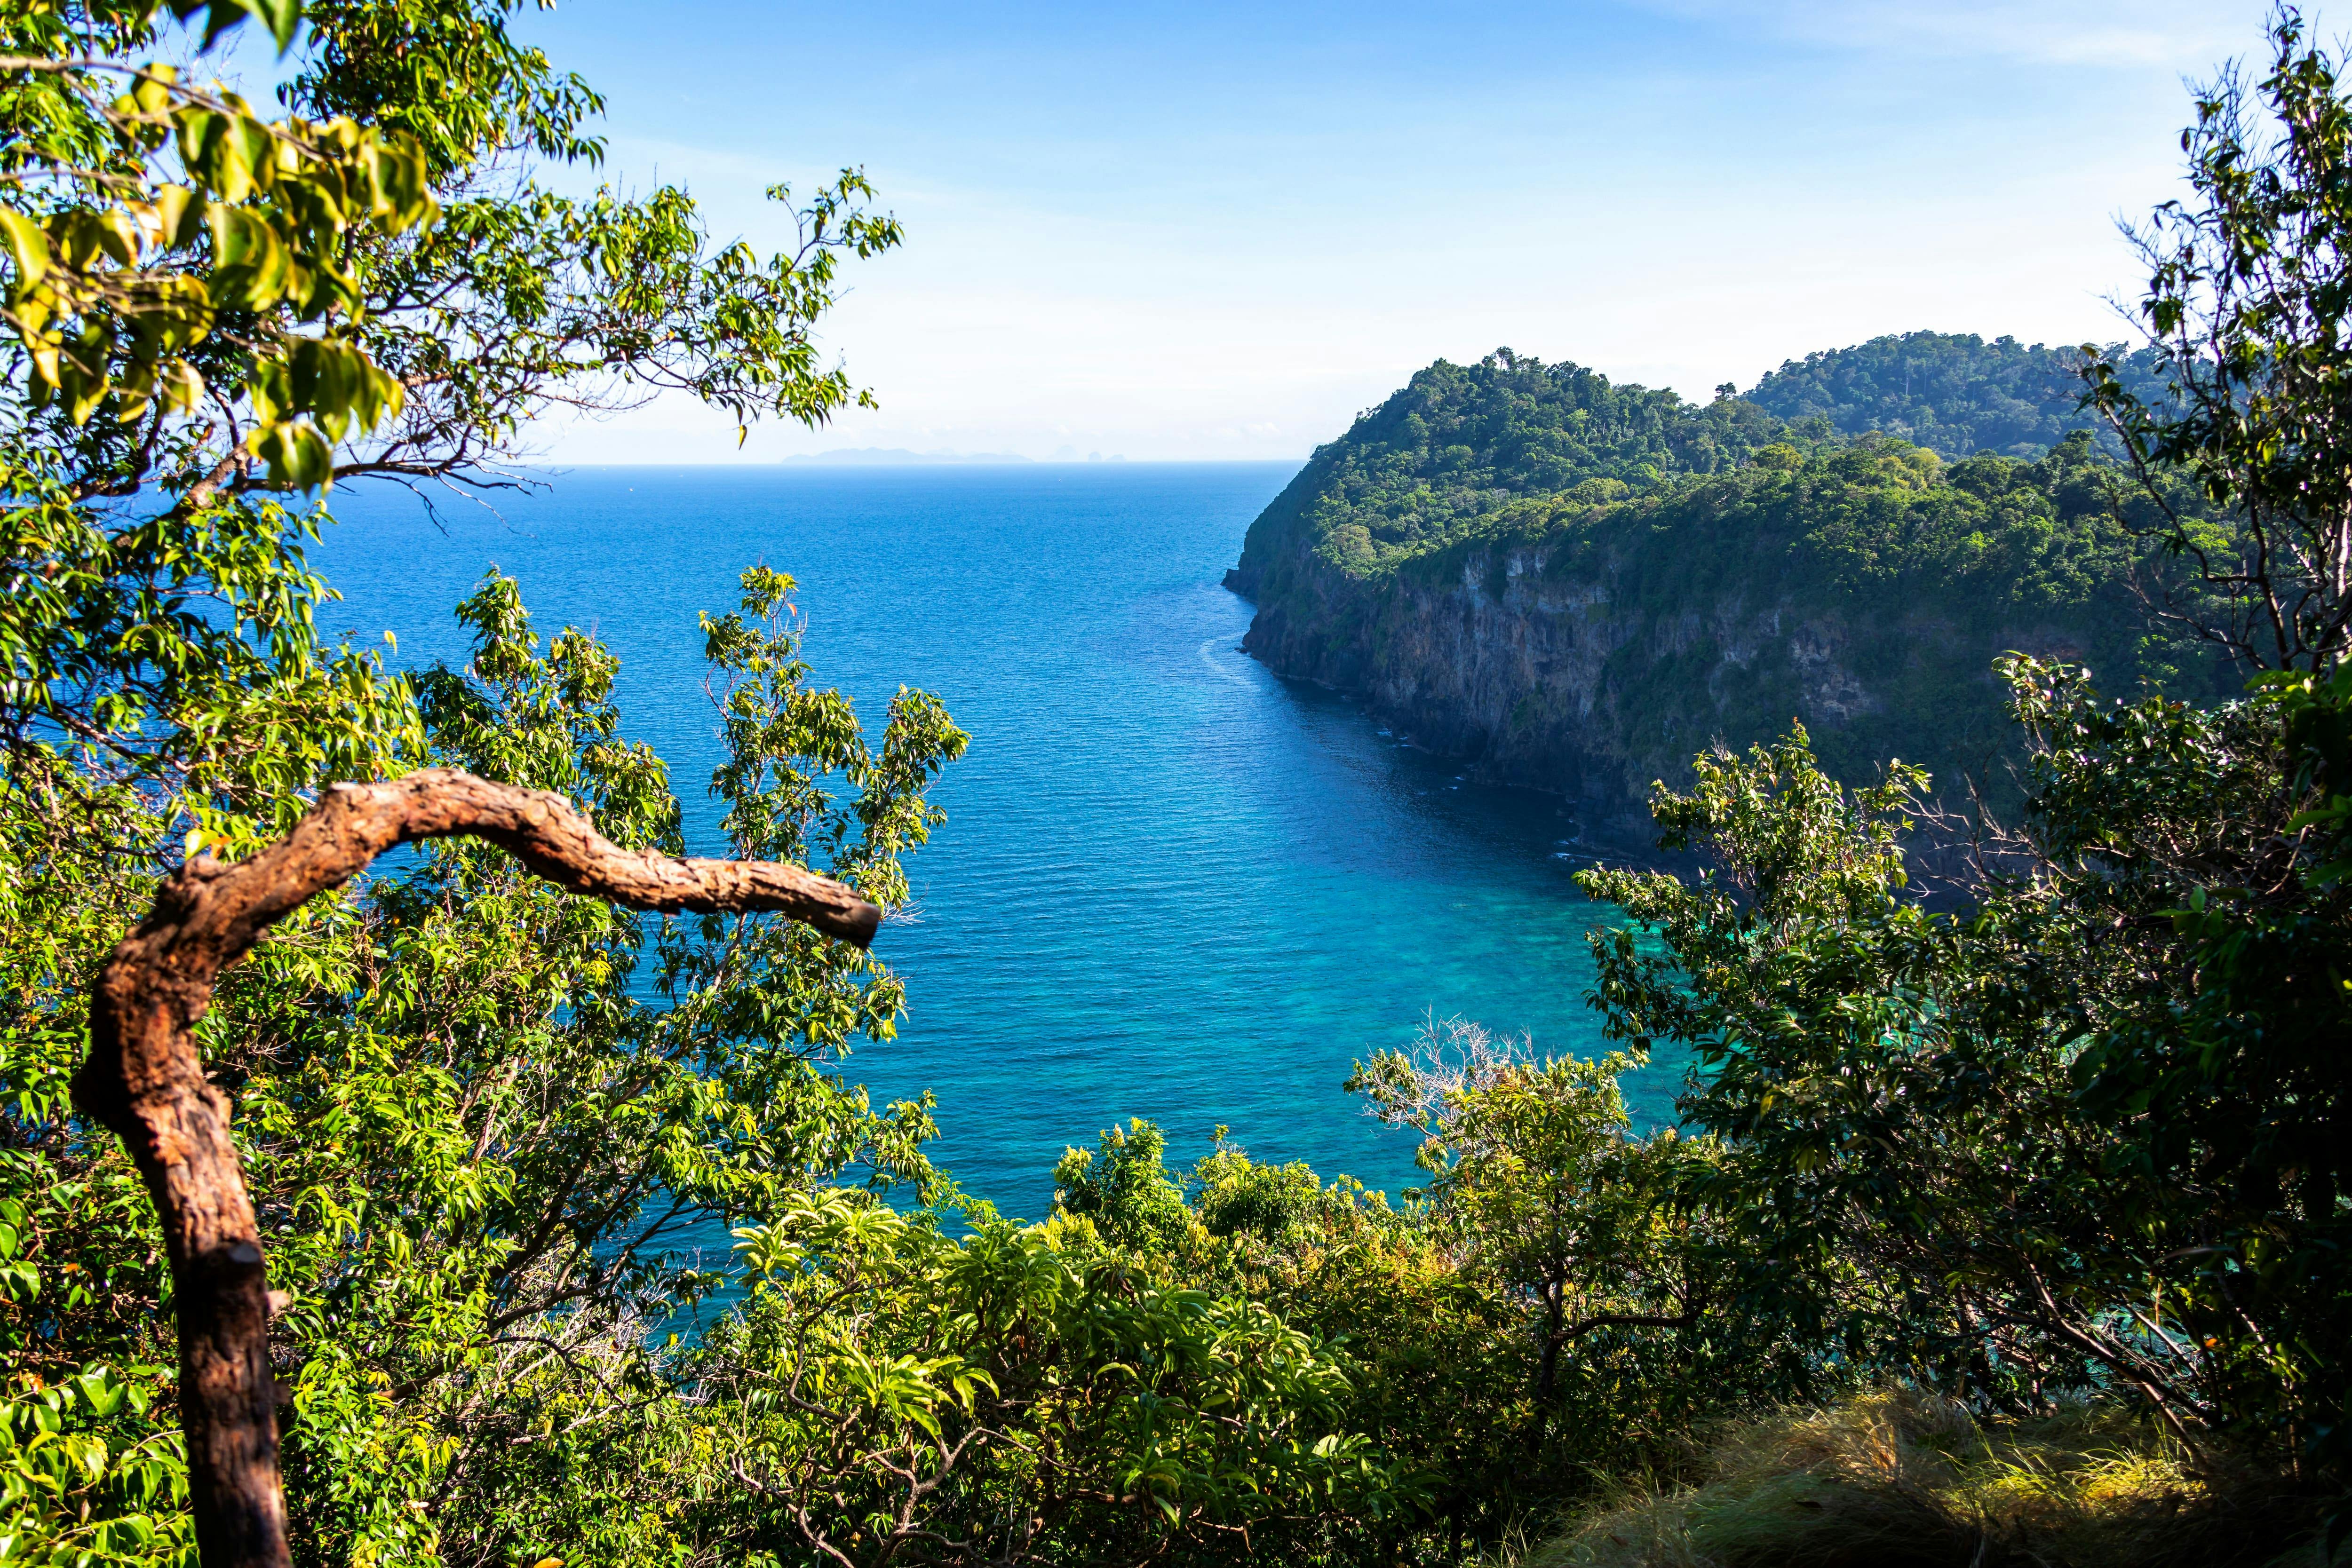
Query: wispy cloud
point(2188, 36)
point(1209, 236)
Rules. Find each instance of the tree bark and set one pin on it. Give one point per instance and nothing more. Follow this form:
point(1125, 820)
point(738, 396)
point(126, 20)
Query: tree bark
point(144, 1080)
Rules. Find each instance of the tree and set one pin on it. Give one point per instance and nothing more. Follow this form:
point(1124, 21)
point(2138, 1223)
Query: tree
point(2081, 1131)
point(144, 1080)
point(462, 1138)
point(1537, 1170)
point(213, 312)
point(2246, 309)
point(2080, 1123)
point(1019, 1397)
point(1951, 391)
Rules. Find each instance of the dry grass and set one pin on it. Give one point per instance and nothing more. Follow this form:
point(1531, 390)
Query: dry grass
point(1907, 1480)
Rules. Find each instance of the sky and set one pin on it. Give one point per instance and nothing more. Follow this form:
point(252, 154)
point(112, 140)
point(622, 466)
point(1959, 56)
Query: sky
point(1218, 231)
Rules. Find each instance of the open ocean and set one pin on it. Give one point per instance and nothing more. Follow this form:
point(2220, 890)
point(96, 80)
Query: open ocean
point(1170, 885)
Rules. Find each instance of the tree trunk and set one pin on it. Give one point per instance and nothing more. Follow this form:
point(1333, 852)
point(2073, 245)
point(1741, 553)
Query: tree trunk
point(144, 1080)
point(1548, 1369)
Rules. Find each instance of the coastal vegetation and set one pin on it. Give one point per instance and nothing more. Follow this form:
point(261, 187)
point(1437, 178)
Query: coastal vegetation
point(1952, 392)
point(1459, 444)
point(2003, 1224)
point(1581, 585)
point(1594, 638)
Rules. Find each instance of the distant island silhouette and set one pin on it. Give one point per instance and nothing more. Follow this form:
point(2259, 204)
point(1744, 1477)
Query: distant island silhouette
point(891, 457)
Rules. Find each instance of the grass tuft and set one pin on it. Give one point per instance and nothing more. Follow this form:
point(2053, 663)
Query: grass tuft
point(1906, 1479)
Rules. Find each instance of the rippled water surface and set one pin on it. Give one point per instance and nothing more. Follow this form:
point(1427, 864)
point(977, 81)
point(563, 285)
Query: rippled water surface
point(1171, 887)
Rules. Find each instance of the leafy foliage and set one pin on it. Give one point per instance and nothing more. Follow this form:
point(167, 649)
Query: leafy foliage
point(164, 239)
point(2078, 1133)
point(1537, 1170)
point(1440, 458)
point(1953, 392)
point(2079, 1128)
point(1867, 586)
point(1444, 459)
point(473, 1148)
point(1008, 1400)
point(1540, 1311)
point(2075, 1128)
point(478, 1157)
point(2246, 304)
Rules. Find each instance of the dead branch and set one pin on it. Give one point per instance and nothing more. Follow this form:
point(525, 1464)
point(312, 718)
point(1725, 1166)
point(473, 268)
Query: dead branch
point(144, 1078)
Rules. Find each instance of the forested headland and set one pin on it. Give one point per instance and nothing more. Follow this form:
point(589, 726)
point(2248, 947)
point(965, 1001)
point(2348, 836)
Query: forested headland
point(348, 1196)
point(1581, 585)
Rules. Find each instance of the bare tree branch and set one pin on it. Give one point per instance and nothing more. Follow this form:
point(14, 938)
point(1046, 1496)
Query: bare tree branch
point(145, 1079)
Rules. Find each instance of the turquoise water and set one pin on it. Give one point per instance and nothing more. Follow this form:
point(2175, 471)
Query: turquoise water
point(1170, 886)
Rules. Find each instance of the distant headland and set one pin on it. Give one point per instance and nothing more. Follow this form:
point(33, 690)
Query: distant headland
point(897, 457)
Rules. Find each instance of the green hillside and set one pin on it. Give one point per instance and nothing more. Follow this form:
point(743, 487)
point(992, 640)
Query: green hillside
point(1578, 583)
point(1438, 458)
point(1952, 392)
point(1458, 442)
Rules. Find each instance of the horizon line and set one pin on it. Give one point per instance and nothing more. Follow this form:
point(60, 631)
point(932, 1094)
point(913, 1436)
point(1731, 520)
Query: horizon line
point(1008, 461)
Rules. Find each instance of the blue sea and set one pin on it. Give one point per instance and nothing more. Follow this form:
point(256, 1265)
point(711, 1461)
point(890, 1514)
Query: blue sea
point(1170, 886)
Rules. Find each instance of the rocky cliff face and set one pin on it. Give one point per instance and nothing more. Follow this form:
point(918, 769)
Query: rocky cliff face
point(1562, 684)
point(1580, 587)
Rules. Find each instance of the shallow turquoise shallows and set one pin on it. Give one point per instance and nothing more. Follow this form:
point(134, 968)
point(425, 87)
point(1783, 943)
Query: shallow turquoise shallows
point(1171, 885)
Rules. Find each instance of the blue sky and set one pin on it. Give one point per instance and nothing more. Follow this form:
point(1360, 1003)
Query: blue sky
point(1218, 231)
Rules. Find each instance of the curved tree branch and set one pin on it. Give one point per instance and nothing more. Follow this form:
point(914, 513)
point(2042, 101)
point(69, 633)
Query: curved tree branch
point(144, 1078)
